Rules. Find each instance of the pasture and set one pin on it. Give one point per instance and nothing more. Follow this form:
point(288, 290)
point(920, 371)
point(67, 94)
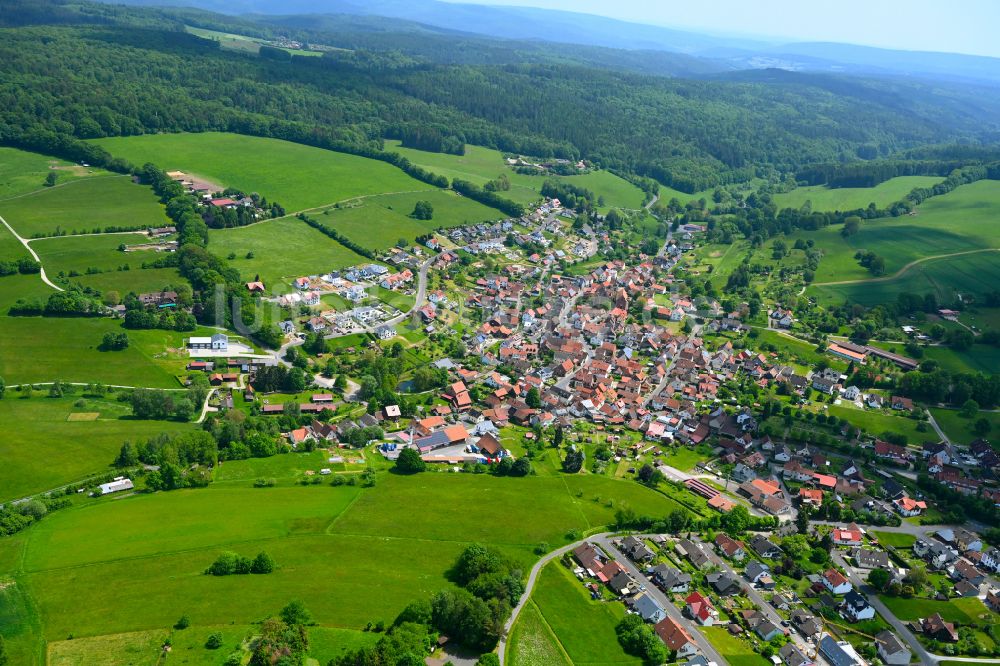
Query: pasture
point(378, 222)
point(877, 422)
point(583, 627)
point(22, 172)
point(296, 176)
point(283, 250)
point(959, 429)
point(80, 254)
point(960, 221)
point(69, 450)
point(344, 551)
point(532, 642)
point(83, 206)
point(65, 349)
point(10, 247)
point(823, 198)
point(479, 165)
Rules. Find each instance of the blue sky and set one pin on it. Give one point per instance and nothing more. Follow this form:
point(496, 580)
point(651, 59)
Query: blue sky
point(958, 26)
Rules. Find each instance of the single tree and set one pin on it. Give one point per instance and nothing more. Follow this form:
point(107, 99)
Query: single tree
point(295, 614)
point(533, 399)
point(262, 564)
point(880, 579)
point(410, 462)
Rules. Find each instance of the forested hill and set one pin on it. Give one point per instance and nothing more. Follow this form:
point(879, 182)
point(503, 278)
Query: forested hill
point(133, 70)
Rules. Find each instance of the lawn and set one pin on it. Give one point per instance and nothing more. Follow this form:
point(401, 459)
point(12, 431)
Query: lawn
point(83, 206)
point(735, 650)
point(22, 172)
point(65, 349)
point(10, 247)
point(532, 642)
point(101, 253)
point(344, 551)
point(479, 165)
point(959, 428)
point(296, 176)
point(895, 539)
point(378, 222)
point(963, 610)
point(790, 348)
point(68, 450)
point(824, 198)
point(959, 221)
point(283, 250)
point(585, 628)
point(684, 458)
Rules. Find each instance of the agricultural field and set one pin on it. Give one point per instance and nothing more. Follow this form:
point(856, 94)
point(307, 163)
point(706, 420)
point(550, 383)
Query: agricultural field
point(390, 216)
point(479, 165)
point(584, 628)
point(532, 642)
point(945, 277)
point(959, 429)
point(22, 172)
point(333, 546)
point(960, 221)
point(283, 250)
point(80, 254)
point(824, 198)
point(296, 176)
point(70, 450)
point(10, 247)
point(83, 206)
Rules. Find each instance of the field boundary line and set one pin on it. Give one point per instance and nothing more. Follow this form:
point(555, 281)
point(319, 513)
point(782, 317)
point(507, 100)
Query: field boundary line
point(548, 627)
point(905, 269)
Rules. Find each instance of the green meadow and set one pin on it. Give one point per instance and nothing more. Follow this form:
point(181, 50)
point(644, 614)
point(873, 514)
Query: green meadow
point(378, 222)
point(960, 221)
point(963, 610)
point(42, 449)
point(823, 198)
point(10, 247)
point(583, 627)
point(736, 651)
point(63, 255)
point(81, 206)
point(296, 176)
point(343, 550)
point(283, 250)
point(22, 172)
point(479, 165)
point(532, 642)
point(959, 429)
point(876, 423)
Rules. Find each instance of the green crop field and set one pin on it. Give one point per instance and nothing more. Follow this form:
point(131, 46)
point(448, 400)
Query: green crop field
point(378, 222)
point(296, 176)
point(283, 250)
point(65, 349)
point(824, 198)
point(960, 221)
point(41, 449)
point(945, 277)
point(343, 550)
point(479, 165)
point(84, 205)
point(63, 255)
point(22, 172)
point(585, 628)
point(959, 429)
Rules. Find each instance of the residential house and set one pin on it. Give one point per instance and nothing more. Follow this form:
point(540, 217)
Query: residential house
point(693, 552)
point(909, 507)
point(676, 638)
point(856, 607)
point(851, 536)
point(700, 609)
point(836, 582)
point(724, 583)
point(670, 579)
point(791, 655)
point(729, 547)
point(867, 558)
point(648, 608)
point(936, 628)
point(891, 649)
point(839, 653)
point(765, 548)
point(636, 550)
point(756, 570)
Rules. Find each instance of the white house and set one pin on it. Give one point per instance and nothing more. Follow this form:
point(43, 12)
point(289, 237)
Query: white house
point(852, 393)
point(120, 483)
point(385, 332)
point(856, 607)
point(218, 342)
point(836, 582)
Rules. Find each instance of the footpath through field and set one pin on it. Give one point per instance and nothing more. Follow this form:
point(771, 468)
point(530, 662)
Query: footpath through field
point(27, 246)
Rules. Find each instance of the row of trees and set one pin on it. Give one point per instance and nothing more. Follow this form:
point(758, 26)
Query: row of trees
point(232, 564)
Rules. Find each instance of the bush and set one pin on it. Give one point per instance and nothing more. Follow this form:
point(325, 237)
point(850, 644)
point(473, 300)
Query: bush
point(183, 623)
point(214, 641)
point(410, 462)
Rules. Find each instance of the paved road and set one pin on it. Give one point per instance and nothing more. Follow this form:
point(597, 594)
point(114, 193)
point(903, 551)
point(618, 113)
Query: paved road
point(675, 614)
point(27, 246)
point(532, 579)
point(205, 407)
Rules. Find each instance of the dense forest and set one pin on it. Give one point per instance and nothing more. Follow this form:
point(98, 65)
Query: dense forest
point(126, 71)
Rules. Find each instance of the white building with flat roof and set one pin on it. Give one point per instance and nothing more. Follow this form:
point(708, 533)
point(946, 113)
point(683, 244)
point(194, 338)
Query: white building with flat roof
point(217, 342)
point(119, 484)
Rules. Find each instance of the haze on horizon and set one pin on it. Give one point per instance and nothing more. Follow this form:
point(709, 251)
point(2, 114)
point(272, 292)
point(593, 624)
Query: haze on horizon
point(964, 26)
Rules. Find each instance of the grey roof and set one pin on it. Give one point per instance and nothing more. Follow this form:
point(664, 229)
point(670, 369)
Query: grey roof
point(834, 653)
point(756, 569)
point(647, 606)
point(889, 643)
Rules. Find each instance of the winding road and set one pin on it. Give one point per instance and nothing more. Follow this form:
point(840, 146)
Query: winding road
point(902, 271)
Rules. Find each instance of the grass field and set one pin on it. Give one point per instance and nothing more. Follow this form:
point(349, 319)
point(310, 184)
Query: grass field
point(876, 422)
point(283, 249)
point(945, 278)
point(850, 198)
point(532, 642)
point(10, 247)
point(895, 539)
point(296, 176)
point(83, 205)
point(584, 628)
point(63, 255)
point(69, 450)
point(959, 429)
point(228, 40)
point(22, 172)
point(962, 610)
point(736, 651)
point(333, 546)
point(65, 349)
point(378, 222)
point(479, 165)
point(959, 221)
